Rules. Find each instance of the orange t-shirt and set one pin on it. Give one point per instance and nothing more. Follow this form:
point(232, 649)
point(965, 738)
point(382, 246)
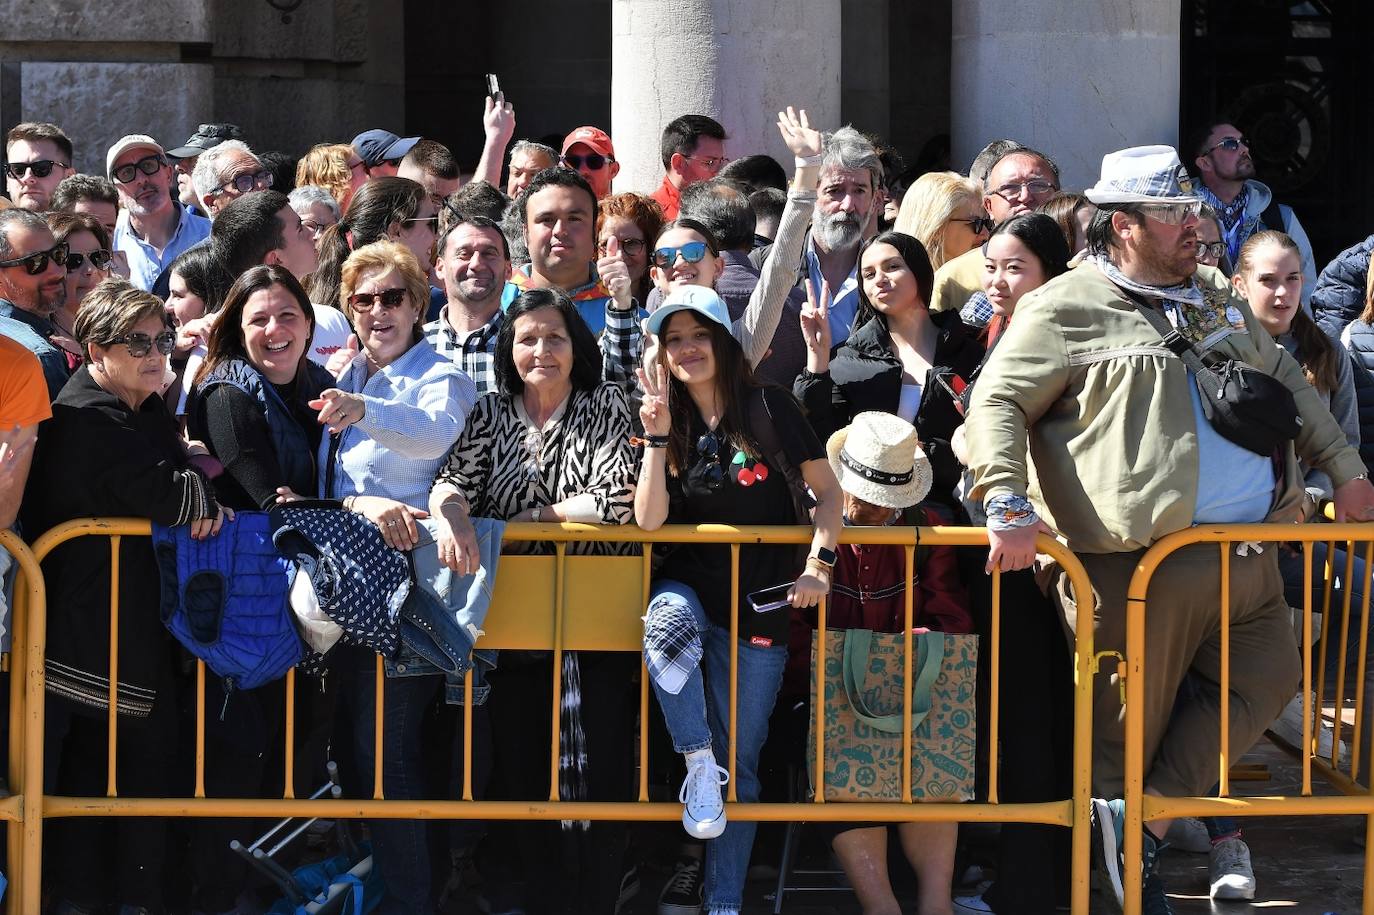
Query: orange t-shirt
point(23, 392)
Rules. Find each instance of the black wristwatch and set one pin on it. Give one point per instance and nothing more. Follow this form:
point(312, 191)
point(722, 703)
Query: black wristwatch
point(826, 556)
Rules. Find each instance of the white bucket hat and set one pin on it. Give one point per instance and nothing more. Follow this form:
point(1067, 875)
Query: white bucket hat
point(878, 459)
point(1143, 174)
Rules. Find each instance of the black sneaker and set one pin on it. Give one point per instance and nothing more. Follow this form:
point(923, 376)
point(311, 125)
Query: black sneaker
point(1107, 818)
point(629, 887)
point(1152, 898)
point(682, 894)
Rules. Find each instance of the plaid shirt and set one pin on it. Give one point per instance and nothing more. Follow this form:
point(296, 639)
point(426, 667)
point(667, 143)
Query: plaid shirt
point(473, 353)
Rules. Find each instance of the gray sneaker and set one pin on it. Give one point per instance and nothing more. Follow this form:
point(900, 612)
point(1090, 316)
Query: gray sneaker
point(1231, 875)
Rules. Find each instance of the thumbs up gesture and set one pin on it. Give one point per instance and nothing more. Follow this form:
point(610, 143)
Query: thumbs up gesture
point(342, 357)
point(615, 275)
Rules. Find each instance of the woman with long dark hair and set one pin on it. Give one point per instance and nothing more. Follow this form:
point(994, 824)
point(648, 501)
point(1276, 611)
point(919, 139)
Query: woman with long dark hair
point(900, 359)
point(719, 449)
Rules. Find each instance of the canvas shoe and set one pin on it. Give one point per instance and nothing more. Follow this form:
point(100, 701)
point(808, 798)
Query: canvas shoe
point(682, 894)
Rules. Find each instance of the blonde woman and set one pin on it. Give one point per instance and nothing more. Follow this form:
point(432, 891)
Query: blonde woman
point(944, 211)
point(334, 167)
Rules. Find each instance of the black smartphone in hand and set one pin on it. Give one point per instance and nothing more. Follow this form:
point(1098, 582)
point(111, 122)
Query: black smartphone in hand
point(493, 85)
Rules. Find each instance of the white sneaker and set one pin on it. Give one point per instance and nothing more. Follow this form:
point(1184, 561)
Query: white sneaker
point(1288, 728)
point(1230, 871)
point(704, 812)
point(971, 905)
point(1189, 834)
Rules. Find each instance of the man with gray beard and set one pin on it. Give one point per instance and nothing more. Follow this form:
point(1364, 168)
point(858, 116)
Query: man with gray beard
point(152, 228)
point(850, 173)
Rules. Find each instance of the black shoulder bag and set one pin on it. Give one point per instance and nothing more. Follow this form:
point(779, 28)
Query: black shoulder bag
point(1245, 405)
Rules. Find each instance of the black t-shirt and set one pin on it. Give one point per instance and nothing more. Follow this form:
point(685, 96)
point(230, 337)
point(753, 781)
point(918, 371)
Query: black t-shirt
point(706, 567)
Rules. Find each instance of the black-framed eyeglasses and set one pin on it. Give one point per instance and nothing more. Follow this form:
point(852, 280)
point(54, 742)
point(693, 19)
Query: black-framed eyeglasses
point(140, 344)
point(100, 259)
point(41, 168)
point(1211, 250)
point(977, 224)
point(390, 298)
point(593, 161)
point(713, 472)
point(148, 165)
point(255, 181)
point(432, 220)
point(1230, 144)
point(631, 246)
point(1035, 188)
point(692, 252)
point(37, 262)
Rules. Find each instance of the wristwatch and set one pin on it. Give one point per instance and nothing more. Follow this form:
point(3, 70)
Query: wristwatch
point(538, 510)
point(825, 556)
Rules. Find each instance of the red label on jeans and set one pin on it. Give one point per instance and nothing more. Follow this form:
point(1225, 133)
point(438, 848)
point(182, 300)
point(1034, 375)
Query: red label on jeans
point(759, 641)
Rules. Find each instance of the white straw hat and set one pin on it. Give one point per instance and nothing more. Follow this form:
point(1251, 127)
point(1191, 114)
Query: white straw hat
point(1143, 174)
point(877, 458)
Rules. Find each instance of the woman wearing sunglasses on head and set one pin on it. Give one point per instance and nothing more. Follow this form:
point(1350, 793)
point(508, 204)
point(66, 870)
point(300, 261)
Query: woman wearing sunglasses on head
point(111, 449)
point(687, 254)
point(88, 262)
point(900, 359)
point(397, 409)
point(718, 450)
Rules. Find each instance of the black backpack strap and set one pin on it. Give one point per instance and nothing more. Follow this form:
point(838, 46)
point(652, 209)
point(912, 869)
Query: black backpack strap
point(763, 428)
point(1272, 217)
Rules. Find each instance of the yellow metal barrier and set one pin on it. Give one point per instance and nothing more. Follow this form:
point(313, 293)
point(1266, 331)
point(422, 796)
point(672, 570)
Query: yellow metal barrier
point(565, 603)
point(25, 760)
point(1357, 799)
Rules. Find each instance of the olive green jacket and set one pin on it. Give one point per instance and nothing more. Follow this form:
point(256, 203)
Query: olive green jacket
point(1081, 408)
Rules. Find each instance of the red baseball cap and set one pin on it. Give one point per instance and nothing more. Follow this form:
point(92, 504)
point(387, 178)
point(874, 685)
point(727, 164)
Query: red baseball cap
point(594, 137)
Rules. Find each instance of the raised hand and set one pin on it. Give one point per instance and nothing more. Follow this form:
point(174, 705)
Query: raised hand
point(338, 409)
point(798, 135)
point(653, 409)
point(615, 275)
point(342, 357)
point(499, 119)
point(815, 327)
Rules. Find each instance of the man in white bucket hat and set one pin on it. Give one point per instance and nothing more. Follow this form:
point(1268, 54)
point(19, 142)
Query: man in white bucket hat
point(1121, 454)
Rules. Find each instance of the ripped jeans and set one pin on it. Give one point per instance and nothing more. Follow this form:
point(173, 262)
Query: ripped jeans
point(698, 715)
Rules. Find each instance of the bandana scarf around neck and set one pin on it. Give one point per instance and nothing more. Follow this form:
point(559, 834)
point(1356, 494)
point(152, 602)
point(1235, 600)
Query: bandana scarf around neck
point(1186, 293)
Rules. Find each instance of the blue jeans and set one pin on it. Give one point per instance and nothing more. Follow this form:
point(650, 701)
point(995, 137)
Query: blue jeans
point(400, 847)
point(699, 716)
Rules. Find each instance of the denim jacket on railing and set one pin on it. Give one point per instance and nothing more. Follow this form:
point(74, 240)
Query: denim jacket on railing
point(442, 616)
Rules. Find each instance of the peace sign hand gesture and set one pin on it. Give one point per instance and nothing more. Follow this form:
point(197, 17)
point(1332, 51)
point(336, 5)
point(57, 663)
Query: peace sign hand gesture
point(653, 410)
point(815, 327)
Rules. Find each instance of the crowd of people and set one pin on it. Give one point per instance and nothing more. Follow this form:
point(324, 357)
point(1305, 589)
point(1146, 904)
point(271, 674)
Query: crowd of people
point(330, 381)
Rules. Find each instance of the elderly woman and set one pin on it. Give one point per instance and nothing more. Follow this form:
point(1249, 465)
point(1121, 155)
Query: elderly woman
point(112, 449)
point(397, 410)
point(317, 209)
point(633, 220)
point(250, 404)
point(944, 212)
point(553, 444)
point(88, 262)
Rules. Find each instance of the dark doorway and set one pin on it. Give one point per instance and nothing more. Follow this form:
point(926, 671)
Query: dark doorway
point(1293, 77)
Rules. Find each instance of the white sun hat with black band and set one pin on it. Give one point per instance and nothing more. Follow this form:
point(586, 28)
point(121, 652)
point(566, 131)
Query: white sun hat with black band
point(1143, 174)
point(877, 458)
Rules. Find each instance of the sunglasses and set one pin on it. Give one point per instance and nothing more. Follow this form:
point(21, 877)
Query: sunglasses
point(708, 446)
point(977, 224)
point(1230, 144)
point(432, 220)
point(148, 165)
point(390, 298)
point(631, 246)
point(1173, 214)
point(99, 259)
point(246, 182)
point(593, 161)
point(37, 262)
point(140, 344)
point(41, 168)
point(691, 252)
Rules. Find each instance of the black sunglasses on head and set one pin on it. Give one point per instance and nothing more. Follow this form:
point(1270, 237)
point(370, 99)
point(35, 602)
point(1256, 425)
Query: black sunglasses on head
point(37, 262)
point(41, 168)
point(148, 165)
point(99, 259)
point(140, 344)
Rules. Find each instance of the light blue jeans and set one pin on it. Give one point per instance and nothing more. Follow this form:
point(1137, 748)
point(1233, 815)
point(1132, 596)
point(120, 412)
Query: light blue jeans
point(699, 716)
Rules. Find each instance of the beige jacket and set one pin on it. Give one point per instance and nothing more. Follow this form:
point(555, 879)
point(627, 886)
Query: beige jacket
point(1081, 408)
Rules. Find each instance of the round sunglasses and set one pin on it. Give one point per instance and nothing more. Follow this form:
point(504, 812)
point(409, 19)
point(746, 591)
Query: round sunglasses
point(148, 165)
point(593, 161)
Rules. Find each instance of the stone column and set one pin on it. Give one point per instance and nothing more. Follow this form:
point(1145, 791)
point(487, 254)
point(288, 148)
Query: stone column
point(1076, 80)
point(738, 61)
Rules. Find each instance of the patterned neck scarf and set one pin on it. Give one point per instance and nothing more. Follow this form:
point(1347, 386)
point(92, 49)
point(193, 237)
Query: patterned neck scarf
point(1188, 293)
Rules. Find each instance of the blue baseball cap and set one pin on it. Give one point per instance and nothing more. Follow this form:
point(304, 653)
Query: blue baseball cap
point(700, 299)
point(377, 145)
